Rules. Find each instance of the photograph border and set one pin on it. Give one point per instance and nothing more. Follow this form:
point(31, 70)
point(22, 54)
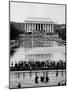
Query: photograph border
point(65, 45)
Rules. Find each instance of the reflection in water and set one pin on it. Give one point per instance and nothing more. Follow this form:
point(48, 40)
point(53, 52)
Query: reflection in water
point(50, 77)
point(19, 85)
point(30, 74)
point(55, 53)
point(12, 52)
point(36, 77)
point(41, 77)
point(23, 74)
point(56, 73)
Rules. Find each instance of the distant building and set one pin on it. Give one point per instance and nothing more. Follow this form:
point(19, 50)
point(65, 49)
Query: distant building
point(38, 24)
point(39, 27)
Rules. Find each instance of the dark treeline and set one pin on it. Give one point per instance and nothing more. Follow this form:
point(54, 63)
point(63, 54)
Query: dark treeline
point(12, 52)
point(61, 30)
point(37, 65)
point(14, 31)
point(17, 28)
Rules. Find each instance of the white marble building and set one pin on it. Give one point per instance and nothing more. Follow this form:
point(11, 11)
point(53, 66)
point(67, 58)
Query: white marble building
point(39, 24)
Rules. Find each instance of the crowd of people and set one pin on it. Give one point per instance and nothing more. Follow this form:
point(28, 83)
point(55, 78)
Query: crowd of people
point(37, 65)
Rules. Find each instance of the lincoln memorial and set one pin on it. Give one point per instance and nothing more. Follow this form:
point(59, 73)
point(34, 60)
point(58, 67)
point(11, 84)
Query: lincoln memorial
point(39, 24)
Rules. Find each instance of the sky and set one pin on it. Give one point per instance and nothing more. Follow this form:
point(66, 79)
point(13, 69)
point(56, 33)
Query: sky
point(20, 11)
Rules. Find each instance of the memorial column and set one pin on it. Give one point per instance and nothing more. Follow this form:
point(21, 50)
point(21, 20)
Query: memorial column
point(25, 26)
point(40, 26)
point(52, 28)
point(45, 27)
point(32, 27)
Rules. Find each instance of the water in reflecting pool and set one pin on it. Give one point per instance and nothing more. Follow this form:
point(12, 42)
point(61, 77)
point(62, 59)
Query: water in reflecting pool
point(37, 78)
